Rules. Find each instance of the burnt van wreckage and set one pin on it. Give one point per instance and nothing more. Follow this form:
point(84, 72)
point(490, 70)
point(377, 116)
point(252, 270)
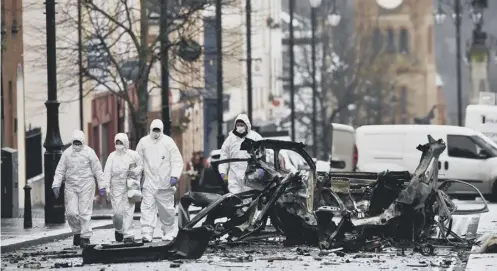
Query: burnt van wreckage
point(391, 209)
point(352, 211)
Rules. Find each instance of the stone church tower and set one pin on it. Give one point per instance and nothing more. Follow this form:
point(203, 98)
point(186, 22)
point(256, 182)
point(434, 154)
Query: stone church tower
point(404, 29)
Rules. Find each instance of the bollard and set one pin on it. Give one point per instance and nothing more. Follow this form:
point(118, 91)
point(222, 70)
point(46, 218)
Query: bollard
point(28, 219)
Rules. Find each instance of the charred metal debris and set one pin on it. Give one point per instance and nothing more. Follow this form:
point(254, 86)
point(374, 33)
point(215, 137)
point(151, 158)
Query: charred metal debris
point(347, 211)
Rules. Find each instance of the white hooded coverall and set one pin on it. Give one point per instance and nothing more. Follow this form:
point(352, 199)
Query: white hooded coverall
point(79, 169)
point(231, 149)
point(116, 173)
point(161, 161)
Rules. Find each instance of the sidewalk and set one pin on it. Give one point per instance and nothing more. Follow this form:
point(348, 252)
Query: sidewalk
point(14, 236)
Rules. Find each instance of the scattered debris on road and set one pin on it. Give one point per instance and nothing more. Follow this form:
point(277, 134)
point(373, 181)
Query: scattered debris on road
point(331, 220)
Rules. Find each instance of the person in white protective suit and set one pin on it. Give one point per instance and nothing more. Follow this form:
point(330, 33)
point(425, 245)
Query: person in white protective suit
point(79, 166)
point(123, 171)
point(162, 167)
point(235, 172)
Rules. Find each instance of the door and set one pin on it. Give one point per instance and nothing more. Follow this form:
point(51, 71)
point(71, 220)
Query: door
point(463, 162)
point(343, 148)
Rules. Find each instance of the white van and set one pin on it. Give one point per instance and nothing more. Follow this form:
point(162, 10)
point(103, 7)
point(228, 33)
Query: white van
point(482, 118)
point(470, 156)
point(344, 148)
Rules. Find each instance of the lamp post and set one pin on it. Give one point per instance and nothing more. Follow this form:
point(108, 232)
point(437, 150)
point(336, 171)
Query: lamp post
point(440, 15)
point(314, 5)
point(54, 208)
point(166, 116)
point(292, 64)
point(219, 73)
point(248, 13)
point(333, 20)
point(334, 17)
point(80, 65)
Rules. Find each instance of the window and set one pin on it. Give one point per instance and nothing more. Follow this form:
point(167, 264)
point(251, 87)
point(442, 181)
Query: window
point(377, 40)
point(121, 124)
point(11, 95)
point(261, 98)
point(482, 86)
point(95, 140)
point(104, 140)
point(391, 40)
point(462, 147)
point(404, 41)
point(403, 104)
point(469, 147)
point(269, 157)
point(293, 160)
point(430, 40)
point(14, 9)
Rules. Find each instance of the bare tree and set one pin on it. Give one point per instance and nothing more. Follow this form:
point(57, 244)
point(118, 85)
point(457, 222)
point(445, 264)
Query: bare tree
point(122, 48)
point(355, 79)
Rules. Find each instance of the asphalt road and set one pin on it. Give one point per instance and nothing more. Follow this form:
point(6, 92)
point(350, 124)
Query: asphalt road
point(267, 256)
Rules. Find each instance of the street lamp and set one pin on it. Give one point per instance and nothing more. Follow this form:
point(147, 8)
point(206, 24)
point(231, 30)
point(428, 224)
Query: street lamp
point(476, 14)
point(164, 59)
point(334, 17)
point(291, 42)
point(219, 73)
point(333, 20)
point(248, 27)
point(54, 207)
point(314, 4)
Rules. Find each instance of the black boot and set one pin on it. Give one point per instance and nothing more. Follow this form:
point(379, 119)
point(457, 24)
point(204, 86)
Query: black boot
point(76, 240)
point(84, 242)
point(119, 236)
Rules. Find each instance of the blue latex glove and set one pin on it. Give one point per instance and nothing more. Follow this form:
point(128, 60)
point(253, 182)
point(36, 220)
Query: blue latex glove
point(260, 173)
point(224, 177)
point(102, 191)
point(173, 181)
point(56, 192)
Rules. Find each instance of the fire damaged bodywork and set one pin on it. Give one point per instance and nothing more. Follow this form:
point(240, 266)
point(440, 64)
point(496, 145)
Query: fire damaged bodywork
point(352, 211)
point(404, 212)
point(247, 213)
point(347, 210)
point(188, 244)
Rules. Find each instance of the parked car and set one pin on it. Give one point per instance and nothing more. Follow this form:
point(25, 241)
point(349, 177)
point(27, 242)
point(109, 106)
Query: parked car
point(470, 155)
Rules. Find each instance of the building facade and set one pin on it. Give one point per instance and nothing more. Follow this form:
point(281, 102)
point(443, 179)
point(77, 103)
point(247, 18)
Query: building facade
point(405, 30)
point(12, 57)
point(12, 84)
point(34, 34)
